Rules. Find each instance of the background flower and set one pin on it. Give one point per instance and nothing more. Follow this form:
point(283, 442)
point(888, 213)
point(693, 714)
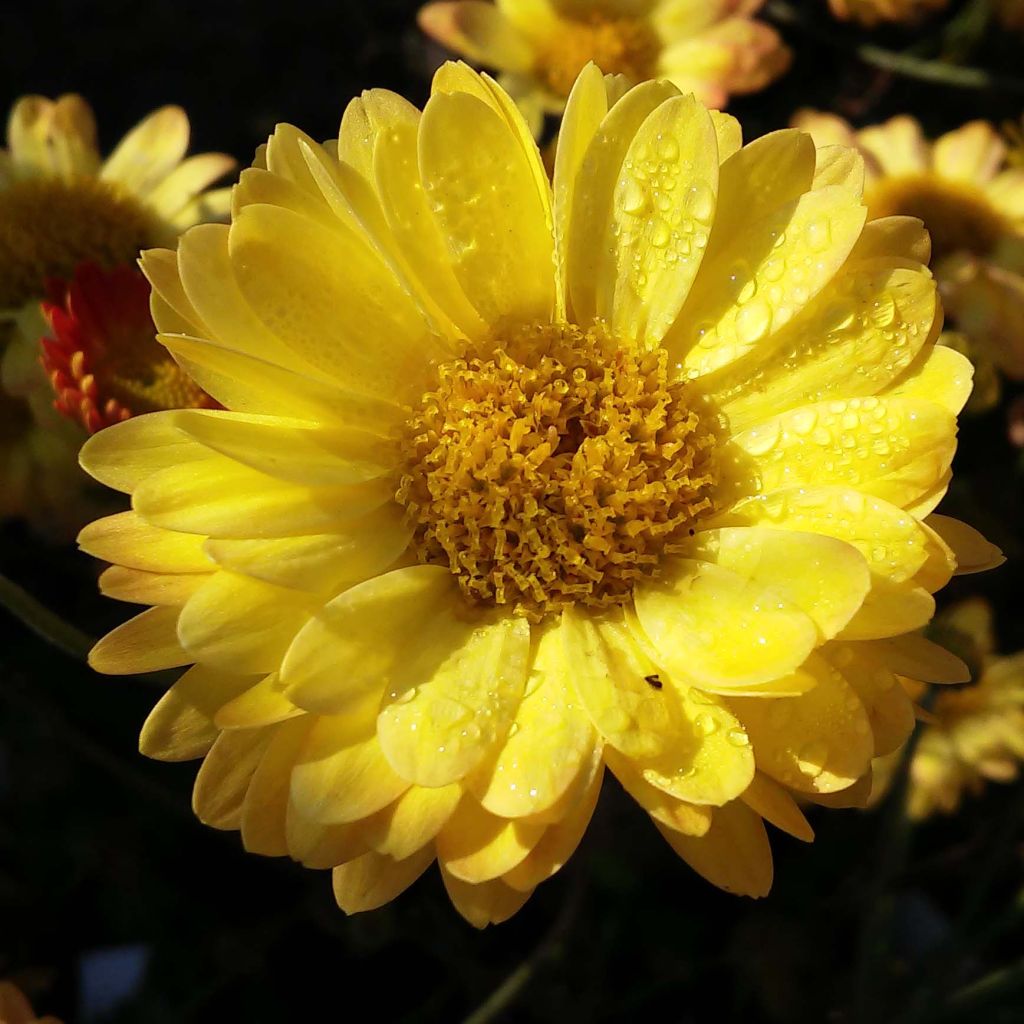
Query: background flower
point(872, 12)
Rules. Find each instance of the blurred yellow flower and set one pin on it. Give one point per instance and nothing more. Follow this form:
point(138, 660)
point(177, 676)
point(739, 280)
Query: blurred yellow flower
point(633, 470)
point(872, 12)
point(973, 207)
point(16, 1009)
point(712, 48)
point(975, 733)
point(61, 205)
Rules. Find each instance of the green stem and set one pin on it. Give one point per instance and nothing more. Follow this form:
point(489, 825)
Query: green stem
point(964, 1004)
point(905, 64)
point(44, 623)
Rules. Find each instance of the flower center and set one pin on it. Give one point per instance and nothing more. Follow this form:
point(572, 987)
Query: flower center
point(49, 226)
point(957, 216)
point(618, 46)
point(103, 359)
point(554, 468)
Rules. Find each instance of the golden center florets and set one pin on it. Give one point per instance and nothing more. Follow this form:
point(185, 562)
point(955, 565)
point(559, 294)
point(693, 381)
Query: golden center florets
point(49, 226)
point(554, 468)
point(618, 46)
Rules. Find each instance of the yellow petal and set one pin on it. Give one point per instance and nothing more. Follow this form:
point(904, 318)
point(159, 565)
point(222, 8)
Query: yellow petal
point(240, 624)
point(818, 742)
point(673, 813)
point(127, 453)
point(319, 846)
point(224, 777)
point(839, 165)
point(915, 656)
point(890, 609)
point(137, 587)
point(587, 247)
point(548, 742)
point(558, 843)
point(489, 903)
point(455, 698)
point(478, 31)
point(320, 562)
point(972, 153)
point(146, 643)
point(660, 222)
point(291, 450)
point(260, 705)
point(368, 638)
point(476, 846)
point(412, 821)
point(372, 880)
point(774, 804)
point(737, 301)
point(481, 188)
point(221, 498)
point(941, 375)
point(173, 312)
point(823, 577)
point(733, 854)
point(29, 129)
point(972, 551)
point(854, 340)
point(265, 806)
point(181, 726)
point(715, 629)
point(150, 151)
point(898, 145)
point(127, 539)
point(187, 180)
point(74, 138)
point(341, 774)
point(382, 345)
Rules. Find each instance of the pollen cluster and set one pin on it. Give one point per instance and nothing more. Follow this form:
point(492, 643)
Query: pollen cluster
point(554, 468)
point(618, 46)
point(48, 227)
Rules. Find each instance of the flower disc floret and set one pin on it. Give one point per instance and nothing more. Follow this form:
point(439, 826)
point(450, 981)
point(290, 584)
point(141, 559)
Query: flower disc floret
point(555, 470)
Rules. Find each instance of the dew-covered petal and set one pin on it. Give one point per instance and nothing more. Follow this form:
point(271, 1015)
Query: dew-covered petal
point(818, 742)
point(733, 854)
point(547, 743)
point(670, 811)
point(341, 774)
point(455, 697)
point(127, 539)
point(480, 184)
point(824, 577)
point(476, 846)
point(181, 725)
point(774, 804)
point(240, 624)
point(372, 880)
point(663, 206)
point(146, 643)
point(371, 637)
point(716, 629)
point(939, 374)
point(488, 903)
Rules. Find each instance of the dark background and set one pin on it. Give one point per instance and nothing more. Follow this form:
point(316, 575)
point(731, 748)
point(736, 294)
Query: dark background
point(117, 906)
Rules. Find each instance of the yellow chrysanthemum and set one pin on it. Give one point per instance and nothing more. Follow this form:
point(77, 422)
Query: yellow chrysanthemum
point(872, 12)
point(975, 733)
point(62, 206)
point(973, 207)
point(712, 48)
point(522, 480)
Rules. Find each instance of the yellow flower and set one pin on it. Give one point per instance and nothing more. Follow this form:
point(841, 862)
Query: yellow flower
point(516, 481)
point(975, 733)
point(973, 206)
point(62, 206)
point(712, 48)
point(871, 12)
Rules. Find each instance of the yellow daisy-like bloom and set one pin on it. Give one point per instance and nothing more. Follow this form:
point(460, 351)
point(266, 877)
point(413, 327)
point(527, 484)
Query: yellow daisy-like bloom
point(712, 48)
point(973, 206)
point(62, 205)
point(975, 733)
point(873, 12)
point(516, 481)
